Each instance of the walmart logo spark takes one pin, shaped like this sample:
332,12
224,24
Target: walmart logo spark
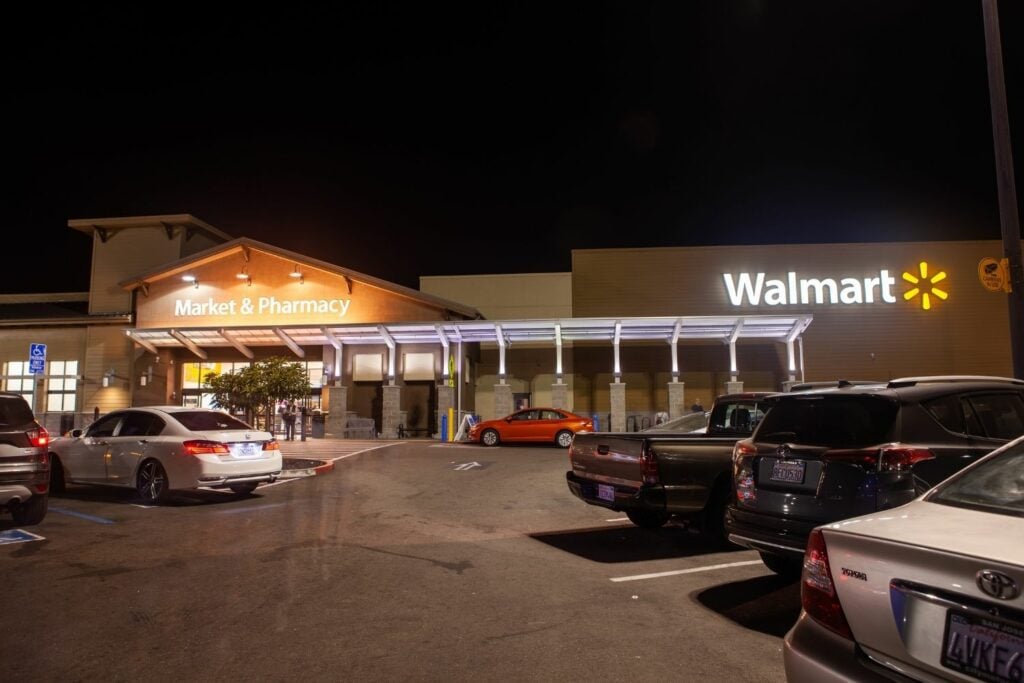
925,286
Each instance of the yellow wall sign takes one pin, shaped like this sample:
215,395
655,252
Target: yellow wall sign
924,286
993,274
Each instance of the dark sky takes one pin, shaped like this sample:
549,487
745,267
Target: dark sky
416,140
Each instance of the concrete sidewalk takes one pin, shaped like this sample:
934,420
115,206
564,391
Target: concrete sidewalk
313,457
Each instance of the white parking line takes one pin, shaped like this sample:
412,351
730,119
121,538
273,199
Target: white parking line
694,570
618,519
365,450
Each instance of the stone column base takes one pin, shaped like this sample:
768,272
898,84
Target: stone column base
617,393
391,413
677,399
733,387
337,412
502,400
445,400
560,396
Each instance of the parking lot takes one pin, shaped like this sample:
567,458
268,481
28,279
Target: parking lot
410,561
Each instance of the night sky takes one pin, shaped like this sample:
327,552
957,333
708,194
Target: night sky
404,141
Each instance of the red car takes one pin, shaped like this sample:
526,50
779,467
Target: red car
532,424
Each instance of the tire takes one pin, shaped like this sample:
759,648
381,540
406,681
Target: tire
31,511
151,482
57,482
787,568
563,438
490,438
714,515
244,489
645,519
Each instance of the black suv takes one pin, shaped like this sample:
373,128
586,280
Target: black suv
824,455
24,461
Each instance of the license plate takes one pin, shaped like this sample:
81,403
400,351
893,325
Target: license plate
983,648
789,471
246,450
605,492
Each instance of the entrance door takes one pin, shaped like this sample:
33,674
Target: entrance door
367,400
419,401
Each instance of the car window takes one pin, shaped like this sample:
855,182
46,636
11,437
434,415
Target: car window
104,426
208,420
949,412
14,412
684,423
141,424
994,485
525,415
550,415
831,421
735,417
1000,416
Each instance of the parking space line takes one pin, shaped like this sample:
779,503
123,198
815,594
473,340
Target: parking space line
365,450
249,508
694,570
618,519
81,515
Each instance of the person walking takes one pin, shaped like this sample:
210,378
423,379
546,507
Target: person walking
697,407
288,417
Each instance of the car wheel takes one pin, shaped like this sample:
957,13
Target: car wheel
564,438
786,567
244,489
490,438
152,484
31,511
645,519
57,483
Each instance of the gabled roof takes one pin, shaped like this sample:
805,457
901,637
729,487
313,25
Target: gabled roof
244,243
104,226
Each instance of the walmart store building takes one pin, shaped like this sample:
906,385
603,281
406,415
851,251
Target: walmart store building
627,334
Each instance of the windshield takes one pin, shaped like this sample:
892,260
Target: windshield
14,412
830,421
686,423
208,421
994,485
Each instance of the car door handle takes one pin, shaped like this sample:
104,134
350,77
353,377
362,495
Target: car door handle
143,441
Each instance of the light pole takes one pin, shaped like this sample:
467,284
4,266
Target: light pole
1008,218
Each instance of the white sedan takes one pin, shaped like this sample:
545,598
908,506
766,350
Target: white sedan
930,591
157,449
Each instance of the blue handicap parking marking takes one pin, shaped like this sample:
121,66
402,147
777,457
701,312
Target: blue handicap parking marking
18,536
81,515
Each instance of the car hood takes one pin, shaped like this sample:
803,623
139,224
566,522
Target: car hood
943,527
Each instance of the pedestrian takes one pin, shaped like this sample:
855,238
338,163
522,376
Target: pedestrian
697,407
288,416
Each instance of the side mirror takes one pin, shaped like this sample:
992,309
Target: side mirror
508,419
77,433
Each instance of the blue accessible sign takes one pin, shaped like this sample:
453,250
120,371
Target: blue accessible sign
18,536
36,358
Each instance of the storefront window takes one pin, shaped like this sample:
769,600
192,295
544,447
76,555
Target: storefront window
18,380
193,381
62,386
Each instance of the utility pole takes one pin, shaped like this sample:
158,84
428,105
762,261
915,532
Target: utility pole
1009,220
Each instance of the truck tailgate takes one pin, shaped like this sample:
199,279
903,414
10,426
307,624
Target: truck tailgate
608,458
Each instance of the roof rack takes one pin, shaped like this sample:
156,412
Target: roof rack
912,381
838,384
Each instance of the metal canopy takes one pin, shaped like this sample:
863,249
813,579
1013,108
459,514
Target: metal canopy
781,328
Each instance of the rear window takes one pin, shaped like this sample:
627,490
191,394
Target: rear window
208,421
736,418
831,421
994,485
14,412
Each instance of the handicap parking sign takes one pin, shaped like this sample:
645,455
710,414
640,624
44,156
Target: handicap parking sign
37,351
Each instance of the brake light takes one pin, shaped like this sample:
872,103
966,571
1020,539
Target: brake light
902,459
202,447
817,591
649,467
743,472
743,448
271,445
38,437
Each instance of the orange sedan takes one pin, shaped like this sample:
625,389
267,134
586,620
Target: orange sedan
532,424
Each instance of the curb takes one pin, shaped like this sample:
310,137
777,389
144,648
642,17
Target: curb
324,467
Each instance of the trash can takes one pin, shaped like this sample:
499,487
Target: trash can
319,422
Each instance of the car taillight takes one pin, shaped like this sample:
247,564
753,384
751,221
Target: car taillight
741,449
271,445
899,459
203,447
649,467
38,437
817,592
891,458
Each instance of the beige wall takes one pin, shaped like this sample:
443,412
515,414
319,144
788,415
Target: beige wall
62,343
107,348
525,296
966,334
126,253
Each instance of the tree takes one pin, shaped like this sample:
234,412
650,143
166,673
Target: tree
258,388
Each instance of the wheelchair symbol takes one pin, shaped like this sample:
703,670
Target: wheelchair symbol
37,351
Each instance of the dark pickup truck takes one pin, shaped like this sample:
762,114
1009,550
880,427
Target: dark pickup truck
656,475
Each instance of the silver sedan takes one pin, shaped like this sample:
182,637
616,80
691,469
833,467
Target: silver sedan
157,449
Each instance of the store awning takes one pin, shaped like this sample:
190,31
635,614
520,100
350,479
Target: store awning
782,328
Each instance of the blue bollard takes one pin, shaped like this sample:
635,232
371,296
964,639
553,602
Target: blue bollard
444,428
597,424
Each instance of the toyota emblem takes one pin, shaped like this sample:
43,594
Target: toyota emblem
997,584
783,451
